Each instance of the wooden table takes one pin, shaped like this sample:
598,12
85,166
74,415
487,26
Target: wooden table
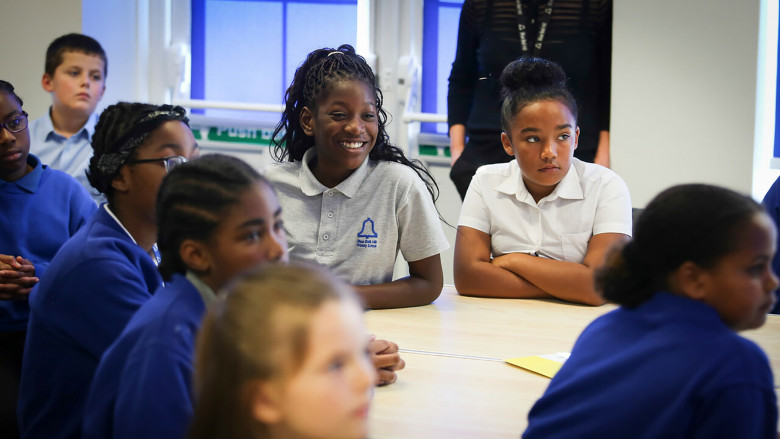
456,384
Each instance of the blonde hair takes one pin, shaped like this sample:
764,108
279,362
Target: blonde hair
256,328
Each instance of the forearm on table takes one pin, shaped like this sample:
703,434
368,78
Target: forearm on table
421,287
483,279
400,293
568,281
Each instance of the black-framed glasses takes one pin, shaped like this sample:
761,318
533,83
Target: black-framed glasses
16,123
169,162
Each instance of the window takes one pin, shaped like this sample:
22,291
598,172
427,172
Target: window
248,50
440,35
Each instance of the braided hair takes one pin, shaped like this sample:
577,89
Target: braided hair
694,222
8,88
528,80
323,69
120,130
192,200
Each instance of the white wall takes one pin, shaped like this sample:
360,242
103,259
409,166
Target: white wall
114,23
31,25
684,93
28,28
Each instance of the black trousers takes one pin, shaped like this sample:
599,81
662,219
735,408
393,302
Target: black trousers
11,350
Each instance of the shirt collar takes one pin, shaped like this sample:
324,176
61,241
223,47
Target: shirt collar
155,254
568,188
47,127
311,186
206,293
30,181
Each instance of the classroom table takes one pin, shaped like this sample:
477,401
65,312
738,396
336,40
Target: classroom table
456,383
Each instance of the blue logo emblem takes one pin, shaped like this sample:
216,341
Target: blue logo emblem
366,238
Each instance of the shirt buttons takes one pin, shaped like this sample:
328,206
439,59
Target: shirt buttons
330,214
330,193
325,236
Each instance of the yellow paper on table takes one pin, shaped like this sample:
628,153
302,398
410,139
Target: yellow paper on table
547,365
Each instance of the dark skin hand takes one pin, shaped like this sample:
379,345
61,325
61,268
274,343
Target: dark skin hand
17,277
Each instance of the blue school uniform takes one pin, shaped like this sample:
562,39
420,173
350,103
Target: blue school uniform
669,368
94,284
772,204
39,212
142,388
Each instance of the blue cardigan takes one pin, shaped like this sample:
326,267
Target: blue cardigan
38,213
669,368
142,388
93,286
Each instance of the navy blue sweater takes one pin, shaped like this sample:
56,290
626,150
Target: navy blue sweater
38,213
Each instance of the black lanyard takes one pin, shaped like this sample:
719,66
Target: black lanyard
522,27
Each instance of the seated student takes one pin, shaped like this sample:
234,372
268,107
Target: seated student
103,274
537,226
356,200
772,204
668,363
216,217
75,75
40,209
283,354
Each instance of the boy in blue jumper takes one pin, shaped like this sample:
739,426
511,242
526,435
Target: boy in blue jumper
40,208
75,75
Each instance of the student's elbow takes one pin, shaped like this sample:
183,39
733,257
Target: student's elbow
432,292
591,298
467,284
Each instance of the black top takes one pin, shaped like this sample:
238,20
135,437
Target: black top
579,38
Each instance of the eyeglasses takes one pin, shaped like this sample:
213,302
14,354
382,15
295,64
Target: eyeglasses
15,124
169,162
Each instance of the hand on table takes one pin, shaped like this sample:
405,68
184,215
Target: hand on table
386,359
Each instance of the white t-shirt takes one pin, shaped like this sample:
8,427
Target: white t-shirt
590,200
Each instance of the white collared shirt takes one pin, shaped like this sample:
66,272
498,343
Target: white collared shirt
589,200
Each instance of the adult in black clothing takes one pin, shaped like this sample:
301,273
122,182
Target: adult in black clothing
576,34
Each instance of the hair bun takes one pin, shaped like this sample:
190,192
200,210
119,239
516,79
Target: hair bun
532,73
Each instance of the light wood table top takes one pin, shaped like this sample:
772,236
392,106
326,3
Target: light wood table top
456,384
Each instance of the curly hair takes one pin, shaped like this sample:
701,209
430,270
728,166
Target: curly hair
323,69
120,130
528,80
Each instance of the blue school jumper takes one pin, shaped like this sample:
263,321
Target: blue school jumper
771,202
142,388
669,368
38,213
93,286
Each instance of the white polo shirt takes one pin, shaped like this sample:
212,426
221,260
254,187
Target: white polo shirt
357,227
590,199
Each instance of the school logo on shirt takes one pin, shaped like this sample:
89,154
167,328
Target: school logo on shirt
366,238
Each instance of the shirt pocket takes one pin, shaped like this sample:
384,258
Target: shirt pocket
574,246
